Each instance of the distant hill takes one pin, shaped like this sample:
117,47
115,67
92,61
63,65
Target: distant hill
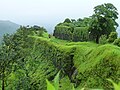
7,27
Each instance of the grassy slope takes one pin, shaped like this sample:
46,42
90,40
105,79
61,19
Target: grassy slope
94,63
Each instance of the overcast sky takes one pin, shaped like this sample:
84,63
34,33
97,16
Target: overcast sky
48,12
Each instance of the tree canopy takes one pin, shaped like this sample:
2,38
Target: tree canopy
103,20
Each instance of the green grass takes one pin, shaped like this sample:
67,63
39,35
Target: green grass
93,62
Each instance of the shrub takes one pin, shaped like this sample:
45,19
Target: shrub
56,85
117,42
103,39
116,86
63,32
80,34
112,37
68,31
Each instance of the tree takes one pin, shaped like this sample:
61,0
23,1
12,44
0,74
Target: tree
7,55
67,20
86,22
83,22
103,21
107,10
19,60
28,62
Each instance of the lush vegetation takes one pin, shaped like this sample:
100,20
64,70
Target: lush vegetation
28,58
31,58
102,22
56,84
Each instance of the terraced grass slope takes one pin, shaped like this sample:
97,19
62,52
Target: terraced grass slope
85,63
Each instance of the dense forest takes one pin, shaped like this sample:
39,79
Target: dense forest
82,54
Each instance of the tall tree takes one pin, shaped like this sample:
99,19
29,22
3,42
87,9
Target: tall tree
7,55
103,20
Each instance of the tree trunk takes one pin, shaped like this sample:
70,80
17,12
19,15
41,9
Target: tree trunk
97,39
3,82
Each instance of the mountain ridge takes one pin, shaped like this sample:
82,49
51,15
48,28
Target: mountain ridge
7,26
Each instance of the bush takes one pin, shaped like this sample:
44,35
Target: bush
80,34
103,39
117,42
68,31
63,85
63,32
116,86
112,37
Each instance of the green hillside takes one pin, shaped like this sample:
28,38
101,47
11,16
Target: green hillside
31,56
85,53
94,63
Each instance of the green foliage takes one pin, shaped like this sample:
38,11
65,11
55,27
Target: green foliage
107,10
67,20
112,37
103,39
103,21
63,32
65,84
29,56
116,86
85,22
50,86
56,83
80,34
94,65
117,42
58,55
7,59
90,62
73,88
23,64
70,31
77,30
62,82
